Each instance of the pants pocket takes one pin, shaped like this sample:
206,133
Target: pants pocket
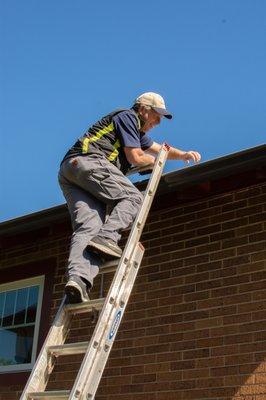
110,189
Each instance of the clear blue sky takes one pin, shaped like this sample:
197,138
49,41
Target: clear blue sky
66,63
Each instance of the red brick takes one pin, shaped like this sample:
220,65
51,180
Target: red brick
210,362
259,295
257,237
209,323
210,284
224,199
225,216
234,242
183,345
252,286
258,256
241,338
235,205
257,209
208,248
222,311
241,318
165,396
210,382
249,229
210,342
219,255
210,229
197,277
196,260
229,234
199,353
197,241
182,327
209,303
251,248
235,223
169,376
183,365
196,315
260,199
224,291
209,266
248,193
224,371
144,378
223,272
196,296
198,334
162,365
257,218
197,373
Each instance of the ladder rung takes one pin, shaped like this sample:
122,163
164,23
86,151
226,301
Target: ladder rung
69,348
51,395
89,306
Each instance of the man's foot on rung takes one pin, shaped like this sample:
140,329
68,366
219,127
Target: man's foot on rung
76,290
107,248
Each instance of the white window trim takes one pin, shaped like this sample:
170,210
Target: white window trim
38,280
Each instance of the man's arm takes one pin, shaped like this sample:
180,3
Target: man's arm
175,154
138,157
126,127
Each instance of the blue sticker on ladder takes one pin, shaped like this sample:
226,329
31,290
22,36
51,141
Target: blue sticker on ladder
115,324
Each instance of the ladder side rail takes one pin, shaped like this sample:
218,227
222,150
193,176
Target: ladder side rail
150,191
120,273
40,373
103,337
91,384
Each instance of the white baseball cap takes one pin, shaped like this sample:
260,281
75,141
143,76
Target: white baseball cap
155,101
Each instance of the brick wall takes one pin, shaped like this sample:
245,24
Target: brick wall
195,326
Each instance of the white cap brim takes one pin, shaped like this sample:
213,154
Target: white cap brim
163,111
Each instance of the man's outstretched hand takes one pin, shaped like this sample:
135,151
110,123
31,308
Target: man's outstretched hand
191,156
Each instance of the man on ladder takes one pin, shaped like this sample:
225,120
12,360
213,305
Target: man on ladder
92,176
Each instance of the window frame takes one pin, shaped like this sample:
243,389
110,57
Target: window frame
19,284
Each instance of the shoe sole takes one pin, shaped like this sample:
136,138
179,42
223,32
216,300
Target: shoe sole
103,250
74,293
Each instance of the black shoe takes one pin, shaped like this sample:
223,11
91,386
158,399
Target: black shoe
105,247
76,290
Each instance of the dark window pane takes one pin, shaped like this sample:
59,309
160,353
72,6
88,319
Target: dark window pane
2,302
16,345
20,310
32,305
9,308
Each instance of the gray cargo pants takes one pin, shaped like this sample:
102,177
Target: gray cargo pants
89,183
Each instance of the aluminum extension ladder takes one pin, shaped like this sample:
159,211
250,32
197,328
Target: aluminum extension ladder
112,309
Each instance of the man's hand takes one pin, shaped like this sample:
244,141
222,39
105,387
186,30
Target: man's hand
191,155
176,154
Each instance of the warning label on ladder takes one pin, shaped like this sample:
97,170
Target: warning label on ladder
115,324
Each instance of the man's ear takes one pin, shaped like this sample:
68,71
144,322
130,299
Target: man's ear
141,111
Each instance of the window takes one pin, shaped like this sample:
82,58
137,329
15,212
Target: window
20,309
